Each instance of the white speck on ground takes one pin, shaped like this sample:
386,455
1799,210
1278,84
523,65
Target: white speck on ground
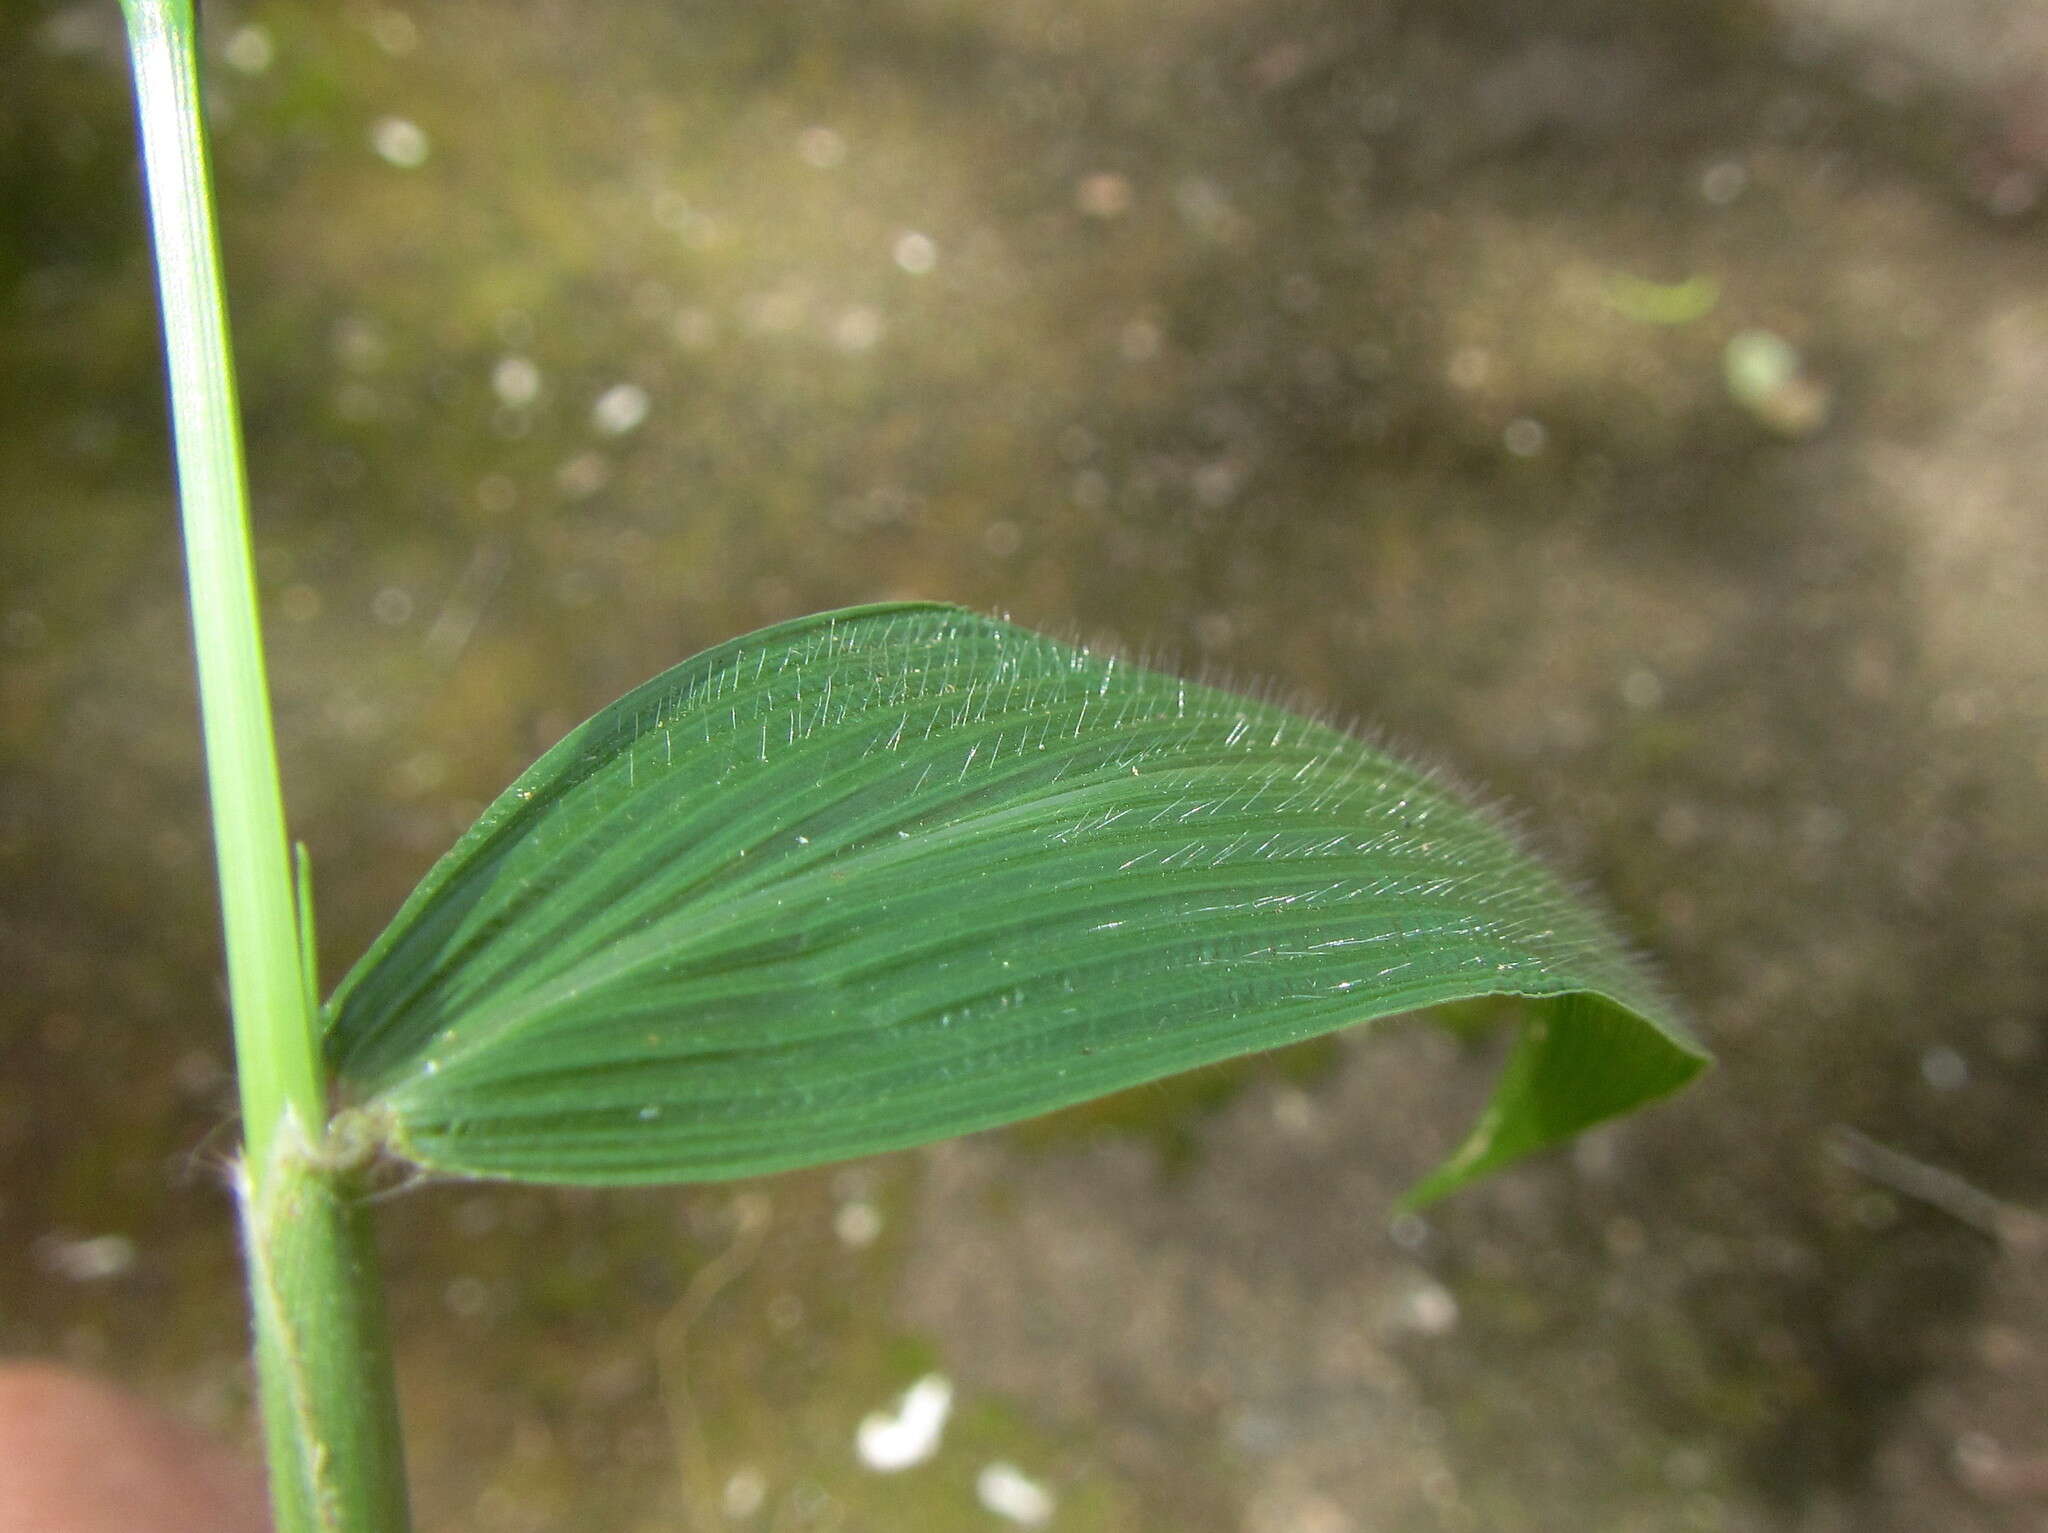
888,1441
1008,1492
400,141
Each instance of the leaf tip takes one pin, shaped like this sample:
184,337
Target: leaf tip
1580,1059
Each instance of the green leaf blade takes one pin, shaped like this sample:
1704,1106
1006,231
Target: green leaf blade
876,877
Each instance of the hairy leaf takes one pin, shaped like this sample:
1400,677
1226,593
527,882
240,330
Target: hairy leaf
879,876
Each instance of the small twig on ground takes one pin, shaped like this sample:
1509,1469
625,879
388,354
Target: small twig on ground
2007,1223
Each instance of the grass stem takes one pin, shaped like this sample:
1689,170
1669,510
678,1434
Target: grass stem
323,1365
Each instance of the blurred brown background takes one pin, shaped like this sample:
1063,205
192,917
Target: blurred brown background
1641,406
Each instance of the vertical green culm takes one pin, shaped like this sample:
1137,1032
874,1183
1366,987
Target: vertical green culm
323,1363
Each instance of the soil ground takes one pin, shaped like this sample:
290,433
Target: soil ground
1643,407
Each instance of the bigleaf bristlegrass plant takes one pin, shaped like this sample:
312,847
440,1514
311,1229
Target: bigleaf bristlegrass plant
854,882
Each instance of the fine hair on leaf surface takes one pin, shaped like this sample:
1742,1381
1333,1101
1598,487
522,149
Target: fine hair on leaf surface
874,877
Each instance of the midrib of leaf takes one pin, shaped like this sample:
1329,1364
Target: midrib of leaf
1443,947
608,957
831,962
